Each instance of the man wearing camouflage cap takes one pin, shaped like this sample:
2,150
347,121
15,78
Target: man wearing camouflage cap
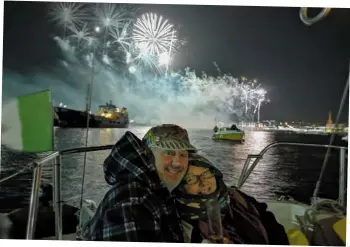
168,146
139,206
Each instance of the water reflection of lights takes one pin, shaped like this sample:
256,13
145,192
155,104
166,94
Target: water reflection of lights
106,137
259,140
262,174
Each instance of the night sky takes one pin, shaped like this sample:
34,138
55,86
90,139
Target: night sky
304,69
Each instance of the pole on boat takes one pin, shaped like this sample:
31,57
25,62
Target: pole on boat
88,106
342,102
34,201
342,174
259,104
57,197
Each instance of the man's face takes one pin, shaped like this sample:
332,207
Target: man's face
171,165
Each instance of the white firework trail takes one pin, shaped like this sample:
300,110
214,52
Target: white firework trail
80,34
67,14
145,60
89,43
109,16
120,36
137,59
260,98
153,34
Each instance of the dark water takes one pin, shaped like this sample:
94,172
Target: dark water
289,171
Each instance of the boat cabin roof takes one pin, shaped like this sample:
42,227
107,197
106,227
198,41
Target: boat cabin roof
108,105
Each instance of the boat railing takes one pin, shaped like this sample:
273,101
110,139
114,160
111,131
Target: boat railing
249,165
57,203
56,158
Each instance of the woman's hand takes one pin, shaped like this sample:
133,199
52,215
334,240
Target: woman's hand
205,241
225,241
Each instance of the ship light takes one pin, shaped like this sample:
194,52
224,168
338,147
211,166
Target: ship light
108,115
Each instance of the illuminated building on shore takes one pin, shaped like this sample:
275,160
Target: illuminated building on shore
331,127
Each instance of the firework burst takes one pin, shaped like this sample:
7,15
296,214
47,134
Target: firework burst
147,42
153,34
67,14
110,15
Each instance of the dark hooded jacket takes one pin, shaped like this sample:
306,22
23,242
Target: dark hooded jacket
138,208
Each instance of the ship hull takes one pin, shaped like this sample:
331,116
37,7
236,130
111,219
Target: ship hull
69,118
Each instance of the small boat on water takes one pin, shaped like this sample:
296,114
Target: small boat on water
229,134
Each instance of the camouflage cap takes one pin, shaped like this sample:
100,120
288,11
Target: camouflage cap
168,136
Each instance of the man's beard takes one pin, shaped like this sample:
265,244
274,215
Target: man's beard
170,186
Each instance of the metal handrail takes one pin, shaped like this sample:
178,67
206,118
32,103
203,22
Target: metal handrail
87,149
34,164
247,171
34,198
56,156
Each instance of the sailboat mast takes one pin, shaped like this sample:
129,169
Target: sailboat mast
87,98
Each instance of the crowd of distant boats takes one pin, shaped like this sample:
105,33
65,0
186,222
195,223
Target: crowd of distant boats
302,130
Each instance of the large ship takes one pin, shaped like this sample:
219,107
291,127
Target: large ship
108,116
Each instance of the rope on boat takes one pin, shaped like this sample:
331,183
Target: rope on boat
322,205
324,165
310,21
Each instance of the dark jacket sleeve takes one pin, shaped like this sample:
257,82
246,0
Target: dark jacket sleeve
276,232
130,222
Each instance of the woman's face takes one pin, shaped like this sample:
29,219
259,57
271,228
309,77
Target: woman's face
200,181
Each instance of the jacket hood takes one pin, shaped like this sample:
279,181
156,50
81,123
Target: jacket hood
128,162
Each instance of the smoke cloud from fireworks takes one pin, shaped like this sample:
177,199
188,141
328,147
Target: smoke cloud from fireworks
181,97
